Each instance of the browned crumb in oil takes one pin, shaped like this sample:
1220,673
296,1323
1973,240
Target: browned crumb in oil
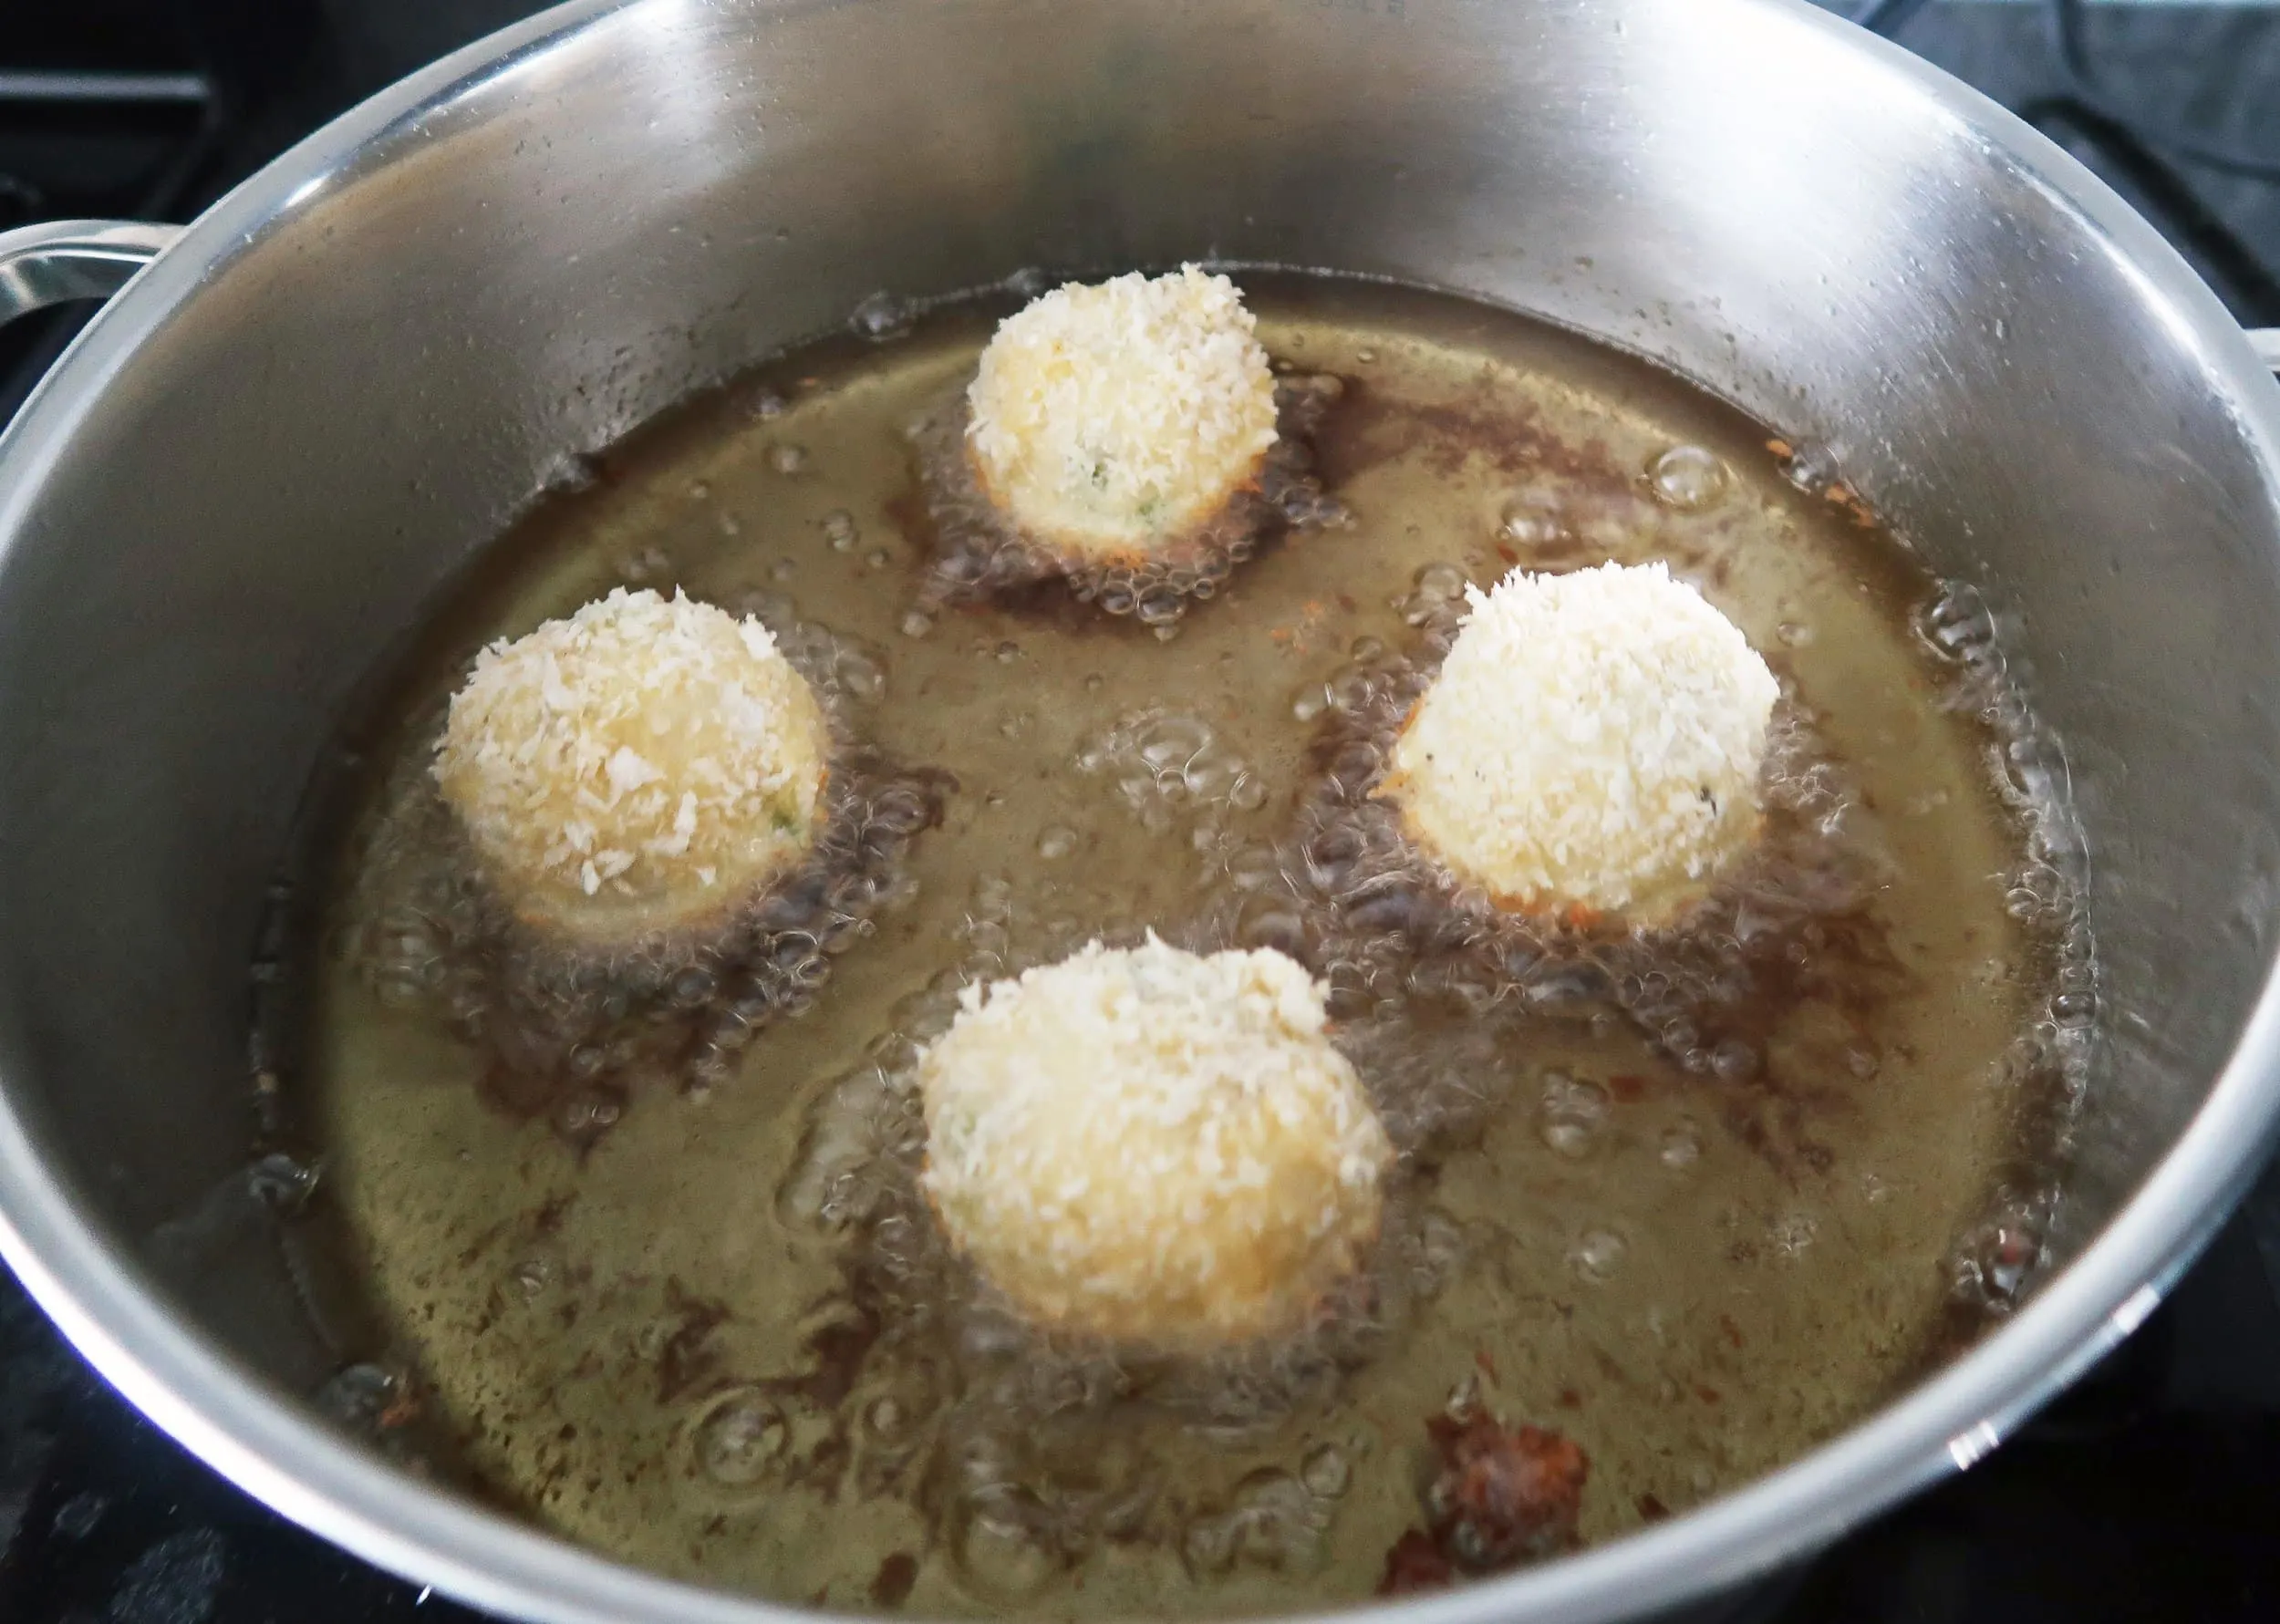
891,1586
1500,1497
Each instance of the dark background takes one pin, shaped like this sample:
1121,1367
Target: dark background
2151,1491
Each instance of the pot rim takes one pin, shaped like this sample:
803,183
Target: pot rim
277,1449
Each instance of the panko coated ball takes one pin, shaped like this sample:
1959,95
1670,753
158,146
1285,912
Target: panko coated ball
1109,423
1152,1146
643,765
1593,745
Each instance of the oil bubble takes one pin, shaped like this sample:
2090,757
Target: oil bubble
650,563
1687,478
859,675
738,1438
1207,1546
837,1178
839,530
1350,690
889,1419
1992,1266
1531,521
1056,843
1325,1472
787,458
1812,469
882,318
282,1183
1792,1234
1574,1112
1596,1256
1275,1523
1442,581
1960,623
571,472
578,1115
1463,1400
357,1396
999,1548
1252,867
78,1517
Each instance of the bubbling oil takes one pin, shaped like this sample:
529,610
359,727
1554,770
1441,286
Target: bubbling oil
979,553
1696,1198
569,1028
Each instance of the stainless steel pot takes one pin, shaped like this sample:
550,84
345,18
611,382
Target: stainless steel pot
280,435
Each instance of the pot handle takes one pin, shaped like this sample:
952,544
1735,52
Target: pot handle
2265,342
74,259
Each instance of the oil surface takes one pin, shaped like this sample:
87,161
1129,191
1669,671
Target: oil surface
719,1340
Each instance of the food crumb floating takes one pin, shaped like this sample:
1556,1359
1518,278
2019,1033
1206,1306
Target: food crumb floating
1153,1146
1592,744
635,767
1109,422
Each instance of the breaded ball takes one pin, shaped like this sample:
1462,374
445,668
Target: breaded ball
637,767
1109,423
1154,1147
1591,745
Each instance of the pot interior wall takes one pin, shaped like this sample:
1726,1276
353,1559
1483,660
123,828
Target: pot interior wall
356,397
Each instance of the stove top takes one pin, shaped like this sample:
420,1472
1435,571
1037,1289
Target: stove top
2150,1491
